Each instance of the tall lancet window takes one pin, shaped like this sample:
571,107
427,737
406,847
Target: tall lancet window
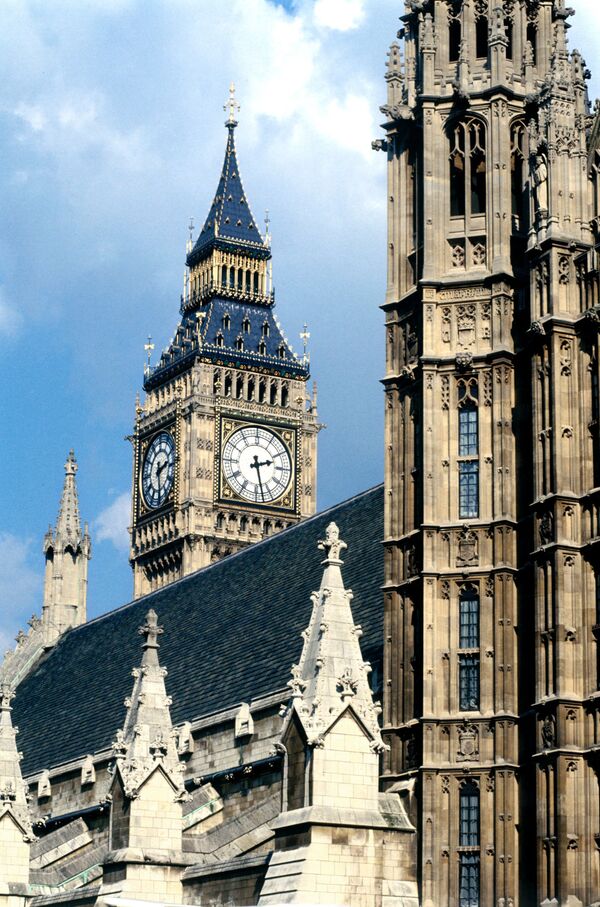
454,38
481,34
469,654
520,199
468,449
469,843
468,170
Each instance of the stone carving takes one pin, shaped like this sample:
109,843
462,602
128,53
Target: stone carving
468,549
564,269
244,723
464,361
540,181
458,256
547,528
549,732
468,743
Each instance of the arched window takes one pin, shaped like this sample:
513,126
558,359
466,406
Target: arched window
217,383
285,395
239,387
243,524
239,343
246,325
262,348
481,36
266,329
532,36
273,393
248,281
262,391
226,321
508,25
240,280
232,278
251,388
256,282
281,351
224,276
228,385
220,523
220,340
468,169
454,39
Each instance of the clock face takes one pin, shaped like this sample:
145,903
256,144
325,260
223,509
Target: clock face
257,465
158,471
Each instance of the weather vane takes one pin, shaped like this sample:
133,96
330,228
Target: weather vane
149,347
305,337
232,106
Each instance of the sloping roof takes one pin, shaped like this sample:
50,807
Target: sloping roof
232,633
219,342
230,218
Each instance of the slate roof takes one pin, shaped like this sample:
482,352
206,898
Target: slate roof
184,348
230,221
232,633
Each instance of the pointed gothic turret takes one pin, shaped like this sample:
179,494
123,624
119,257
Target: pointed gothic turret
331,677
67,550
335,827
15,822
147,789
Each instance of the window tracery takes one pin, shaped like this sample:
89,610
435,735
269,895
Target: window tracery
468,170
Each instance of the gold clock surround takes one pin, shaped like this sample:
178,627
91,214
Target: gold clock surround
287,434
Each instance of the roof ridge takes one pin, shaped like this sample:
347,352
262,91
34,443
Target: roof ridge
228,559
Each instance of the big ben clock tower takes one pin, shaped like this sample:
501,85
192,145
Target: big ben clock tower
225,444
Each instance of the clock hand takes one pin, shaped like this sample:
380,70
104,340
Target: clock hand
256,465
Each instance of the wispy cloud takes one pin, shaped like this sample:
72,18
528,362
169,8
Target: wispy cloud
112,523
10,317
20,587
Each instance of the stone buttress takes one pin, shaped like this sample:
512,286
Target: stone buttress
338,841
15,824
147,790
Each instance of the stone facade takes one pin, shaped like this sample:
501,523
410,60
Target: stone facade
491,452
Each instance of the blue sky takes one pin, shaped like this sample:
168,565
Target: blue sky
111,137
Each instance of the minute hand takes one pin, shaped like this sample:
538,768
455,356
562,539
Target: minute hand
256,465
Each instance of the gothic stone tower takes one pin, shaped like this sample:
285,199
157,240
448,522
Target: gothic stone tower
225,448
491,524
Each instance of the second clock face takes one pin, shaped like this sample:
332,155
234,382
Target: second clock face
158,471
257,464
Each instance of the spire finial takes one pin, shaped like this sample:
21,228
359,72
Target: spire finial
149,347
305,337
332,545
232,107
151,631
71,464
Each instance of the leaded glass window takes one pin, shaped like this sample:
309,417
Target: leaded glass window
468,487
469,620
469,880
468,682
468,431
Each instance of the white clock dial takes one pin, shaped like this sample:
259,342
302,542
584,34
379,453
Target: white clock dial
158,471
257,464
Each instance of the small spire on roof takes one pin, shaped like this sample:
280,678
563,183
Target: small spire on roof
149,348
147,735
233,107
305,337
68,524
331,674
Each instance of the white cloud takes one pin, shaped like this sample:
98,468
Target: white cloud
20,587
10,317
339,15
112,523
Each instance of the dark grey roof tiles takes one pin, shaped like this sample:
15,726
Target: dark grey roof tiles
232,633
